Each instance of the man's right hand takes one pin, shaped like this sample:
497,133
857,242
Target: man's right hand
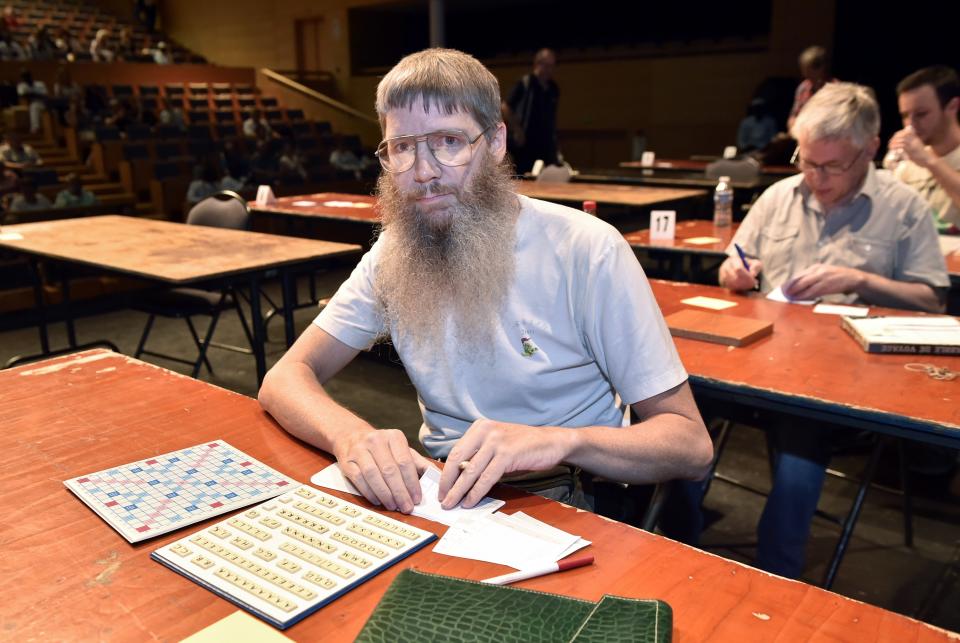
383,467
735,277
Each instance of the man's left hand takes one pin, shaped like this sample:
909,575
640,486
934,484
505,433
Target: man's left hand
490,449
821,279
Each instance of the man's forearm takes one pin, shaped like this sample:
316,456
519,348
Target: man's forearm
299,403
881,291
664,447
947,178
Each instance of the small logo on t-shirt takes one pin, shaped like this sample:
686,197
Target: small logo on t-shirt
526,339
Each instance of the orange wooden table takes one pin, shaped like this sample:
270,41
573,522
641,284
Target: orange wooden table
812,368
69,576
335,216
691,165
629,195
175,254
686,257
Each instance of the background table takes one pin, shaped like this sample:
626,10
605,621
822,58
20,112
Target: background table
71,577
175,254
334,216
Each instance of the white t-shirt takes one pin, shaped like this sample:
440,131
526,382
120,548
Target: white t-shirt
579,298
921,180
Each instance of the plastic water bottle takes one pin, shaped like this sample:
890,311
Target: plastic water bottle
723,203
590,207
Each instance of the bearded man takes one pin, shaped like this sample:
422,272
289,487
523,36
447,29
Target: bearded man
518,321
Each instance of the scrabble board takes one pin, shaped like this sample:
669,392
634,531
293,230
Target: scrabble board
157,495
286,558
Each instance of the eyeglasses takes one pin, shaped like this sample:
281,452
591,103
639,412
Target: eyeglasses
830,169
450,147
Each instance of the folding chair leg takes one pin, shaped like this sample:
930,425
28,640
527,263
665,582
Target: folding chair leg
851,520
652,515
723,434
202,347
907,498
143,338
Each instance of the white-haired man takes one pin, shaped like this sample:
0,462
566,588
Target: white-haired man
517,320
841,231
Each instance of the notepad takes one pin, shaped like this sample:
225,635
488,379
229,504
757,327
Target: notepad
709,302
702,241
718,329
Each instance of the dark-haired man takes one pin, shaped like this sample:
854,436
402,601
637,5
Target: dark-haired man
930,140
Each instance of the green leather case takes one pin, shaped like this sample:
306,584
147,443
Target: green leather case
428,607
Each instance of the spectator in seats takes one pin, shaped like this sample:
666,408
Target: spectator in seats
291,164
530,112
256,126
10,49
41,44
205,183
158,53
99,47
815,69
33,93
67,98
233,179
265,162
757,128
16,154
28,198
929,143
233,162
10,18
172,115
125,49
345,157
74,195
119,116
67,44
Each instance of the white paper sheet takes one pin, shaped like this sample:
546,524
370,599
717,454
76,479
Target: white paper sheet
11,236
709,302
430,508
304,204
702,241
777,295
332,478
838,309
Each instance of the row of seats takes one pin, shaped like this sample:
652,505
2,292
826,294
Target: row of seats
201,128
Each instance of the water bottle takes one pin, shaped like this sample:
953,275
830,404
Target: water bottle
892,159
723,203
590,207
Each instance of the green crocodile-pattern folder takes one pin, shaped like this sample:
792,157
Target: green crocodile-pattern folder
427,607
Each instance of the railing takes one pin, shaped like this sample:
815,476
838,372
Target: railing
300,88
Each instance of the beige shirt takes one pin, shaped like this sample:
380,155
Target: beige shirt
921,180
885,229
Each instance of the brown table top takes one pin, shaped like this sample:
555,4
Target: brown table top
604,193
811,363
77,579
688,165
171,252
687,230
953,264
328,205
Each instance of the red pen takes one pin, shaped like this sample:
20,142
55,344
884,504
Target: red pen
523,574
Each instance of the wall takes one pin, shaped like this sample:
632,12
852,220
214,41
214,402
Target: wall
685,104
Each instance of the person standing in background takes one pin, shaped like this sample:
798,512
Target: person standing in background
530,112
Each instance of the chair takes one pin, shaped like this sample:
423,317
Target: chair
225,209
743,170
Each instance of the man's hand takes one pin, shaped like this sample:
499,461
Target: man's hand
735,277
383,468
820,279
490,449
912,147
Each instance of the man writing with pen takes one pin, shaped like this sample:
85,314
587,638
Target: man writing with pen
518,321
844,232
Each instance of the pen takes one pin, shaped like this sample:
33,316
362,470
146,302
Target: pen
524,574
743,256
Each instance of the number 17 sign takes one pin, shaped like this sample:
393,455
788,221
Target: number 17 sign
662,225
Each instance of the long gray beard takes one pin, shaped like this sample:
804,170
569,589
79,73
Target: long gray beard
456,270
